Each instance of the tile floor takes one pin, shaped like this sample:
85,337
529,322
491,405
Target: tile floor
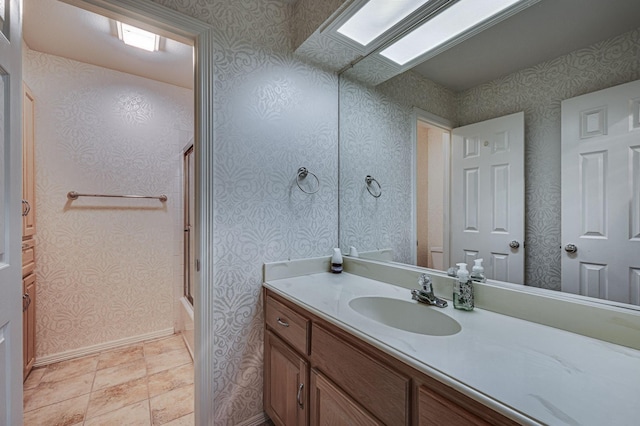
149,383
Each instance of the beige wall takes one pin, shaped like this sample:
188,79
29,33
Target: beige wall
435,211
422,194
107,269
429,195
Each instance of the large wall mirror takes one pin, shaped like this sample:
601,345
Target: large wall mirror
401,129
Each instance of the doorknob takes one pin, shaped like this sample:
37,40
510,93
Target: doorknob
514,244
571,248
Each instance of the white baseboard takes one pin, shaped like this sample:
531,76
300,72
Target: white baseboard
186,343
89,350
256,420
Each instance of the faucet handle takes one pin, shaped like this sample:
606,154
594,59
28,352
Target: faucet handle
425,282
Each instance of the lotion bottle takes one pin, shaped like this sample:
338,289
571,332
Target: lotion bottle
463,289
336,261
477,272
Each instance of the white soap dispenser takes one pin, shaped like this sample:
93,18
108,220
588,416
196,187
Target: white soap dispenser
463,290
336,261
477,272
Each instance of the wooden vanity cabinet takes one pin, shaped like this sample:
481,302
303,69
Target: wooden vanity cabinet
351,382
28,323
437,404
375,385
330,406
286,394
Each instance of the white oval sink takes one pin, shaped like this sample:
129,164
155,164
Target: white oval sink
406,315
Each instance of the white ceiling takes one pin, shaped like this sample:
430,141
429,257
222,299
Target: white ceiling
60,29
544,31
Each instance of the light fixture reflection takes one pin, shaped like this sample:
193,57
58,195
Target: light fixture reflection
376,17
136,37
445,26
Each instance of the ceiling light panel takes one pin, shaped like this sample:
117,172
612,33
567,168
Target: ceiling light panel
136,37
445,26
376,17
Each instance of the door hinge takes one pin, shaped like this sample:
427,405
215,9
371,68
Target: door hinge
198,265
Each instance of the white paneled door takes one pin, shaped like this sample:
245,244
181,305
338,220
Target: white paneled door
601,194
487,196
10,213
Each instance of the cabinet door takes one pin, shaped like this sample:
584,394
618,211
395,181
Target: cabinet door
29,323
332,407
437,410
286,394
28,165
375,385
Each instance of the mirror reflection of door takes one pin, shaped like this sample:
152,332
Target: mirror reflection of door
189,220
601,194
432,152
487,196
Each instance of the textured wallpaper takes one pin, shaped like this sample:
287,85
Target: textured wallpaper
272,115
105,267
375,139
538,92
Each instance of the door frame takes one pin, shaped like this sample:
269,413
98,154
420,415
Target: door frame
443,123
188,290
158,18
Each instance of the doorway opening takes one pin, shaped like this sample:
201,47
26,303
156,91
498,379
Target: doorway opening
122,133
431,186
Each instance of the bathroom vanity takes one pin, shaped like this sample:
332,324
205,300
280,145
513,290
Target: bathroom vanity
347,349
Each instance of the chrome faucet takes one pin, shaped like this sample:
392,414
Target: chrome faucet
425,294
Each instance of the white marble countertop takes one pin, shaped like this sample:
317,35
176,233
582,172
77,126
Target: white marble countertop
530,372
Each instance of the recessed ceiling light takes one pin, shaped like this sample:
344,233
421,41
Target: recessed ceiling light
376,17
136,37
444,27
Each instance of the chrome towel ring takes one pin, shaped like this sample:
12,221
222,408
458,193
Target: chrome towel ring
370,180
302,174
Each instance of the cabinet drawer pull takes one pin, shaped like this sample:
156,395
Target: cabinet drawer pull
299,397
282,323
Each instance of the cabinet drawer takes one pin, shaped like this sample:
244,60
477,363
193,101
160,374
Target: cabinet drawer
28,257
380,390
288,324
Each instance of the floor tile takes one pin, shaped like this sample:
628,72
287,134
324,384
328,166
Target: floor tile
50,393
73,367
131,415
170,379
166,360
142,384
172,405
115,397
119,374
65,413
156,347
120,356
188,420
34,378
